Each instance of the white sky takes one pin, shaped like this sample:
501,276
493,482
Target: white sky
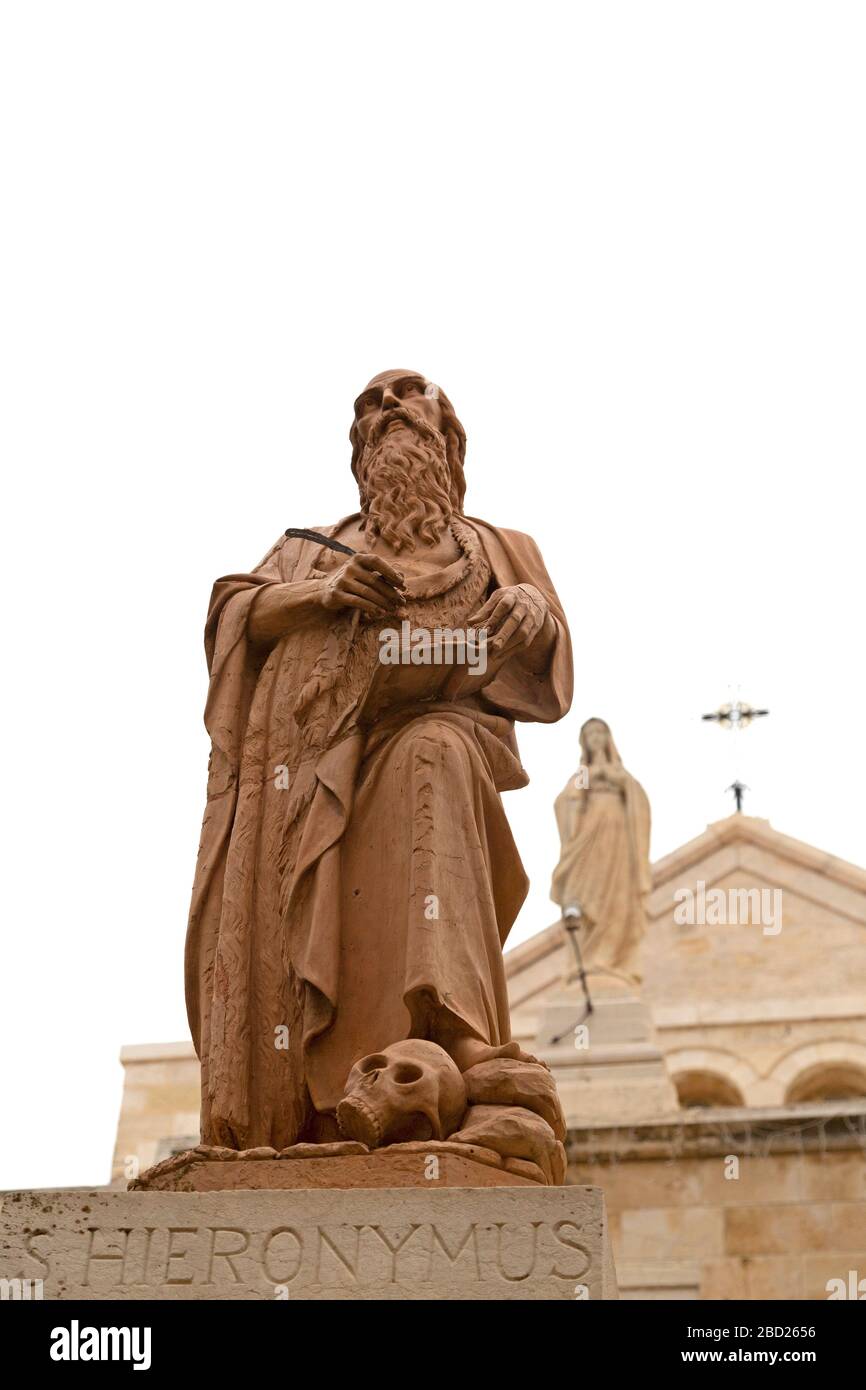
627,239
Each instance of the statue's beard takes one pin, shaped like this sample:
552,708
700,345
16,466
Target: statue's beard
405,481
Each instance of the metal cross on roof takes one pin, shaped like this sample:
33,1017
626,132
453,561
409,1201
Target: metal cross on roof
739,715
736,715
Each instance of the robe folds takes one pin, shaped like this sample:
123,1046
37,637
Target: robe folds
351,880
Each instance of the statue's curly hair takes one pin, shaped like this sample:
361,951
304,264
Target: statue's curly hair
455,435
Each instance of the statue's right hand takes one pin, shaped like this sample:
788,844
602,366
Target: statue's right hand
366,582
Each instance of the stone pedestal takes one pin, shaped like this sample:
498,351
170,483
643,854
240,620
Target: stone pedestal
611,1070
515,1243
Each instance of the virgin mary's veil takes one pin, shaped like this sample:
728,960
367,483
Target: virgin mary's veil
612,751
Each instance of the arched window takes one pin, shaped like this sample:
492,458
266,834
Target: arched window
827,1081
706,1088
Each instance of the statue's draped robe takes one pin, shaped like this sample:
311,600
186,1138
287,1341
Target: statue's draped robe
604,870
347,902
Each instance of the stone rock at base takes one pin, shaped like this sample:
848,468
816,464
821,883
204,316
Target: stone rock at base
515,1133
510,1081
432,1163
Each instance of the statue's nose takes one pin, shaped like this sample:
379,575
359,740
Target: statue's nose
389,400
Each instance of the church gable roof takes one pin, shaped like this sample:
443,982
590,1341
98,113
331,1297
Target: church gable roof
745,844
736,844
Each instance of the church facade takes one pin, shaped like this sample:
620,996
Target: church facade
730,1137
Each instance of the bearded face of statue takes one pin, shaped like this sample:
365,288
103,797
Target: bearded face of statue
388,392
402,465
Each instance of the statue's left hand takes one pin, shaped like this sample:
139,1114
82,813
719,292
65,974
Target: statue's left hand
514,618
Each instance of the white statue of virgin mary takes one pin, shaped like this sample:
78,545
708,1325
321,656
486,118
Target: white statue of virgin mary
603,873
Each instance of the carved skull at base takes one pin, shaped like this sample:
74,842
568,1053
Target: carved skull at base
410,1090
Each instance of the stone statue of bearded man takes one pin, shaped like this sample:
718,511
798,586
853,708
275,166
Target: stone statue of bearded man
357,877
